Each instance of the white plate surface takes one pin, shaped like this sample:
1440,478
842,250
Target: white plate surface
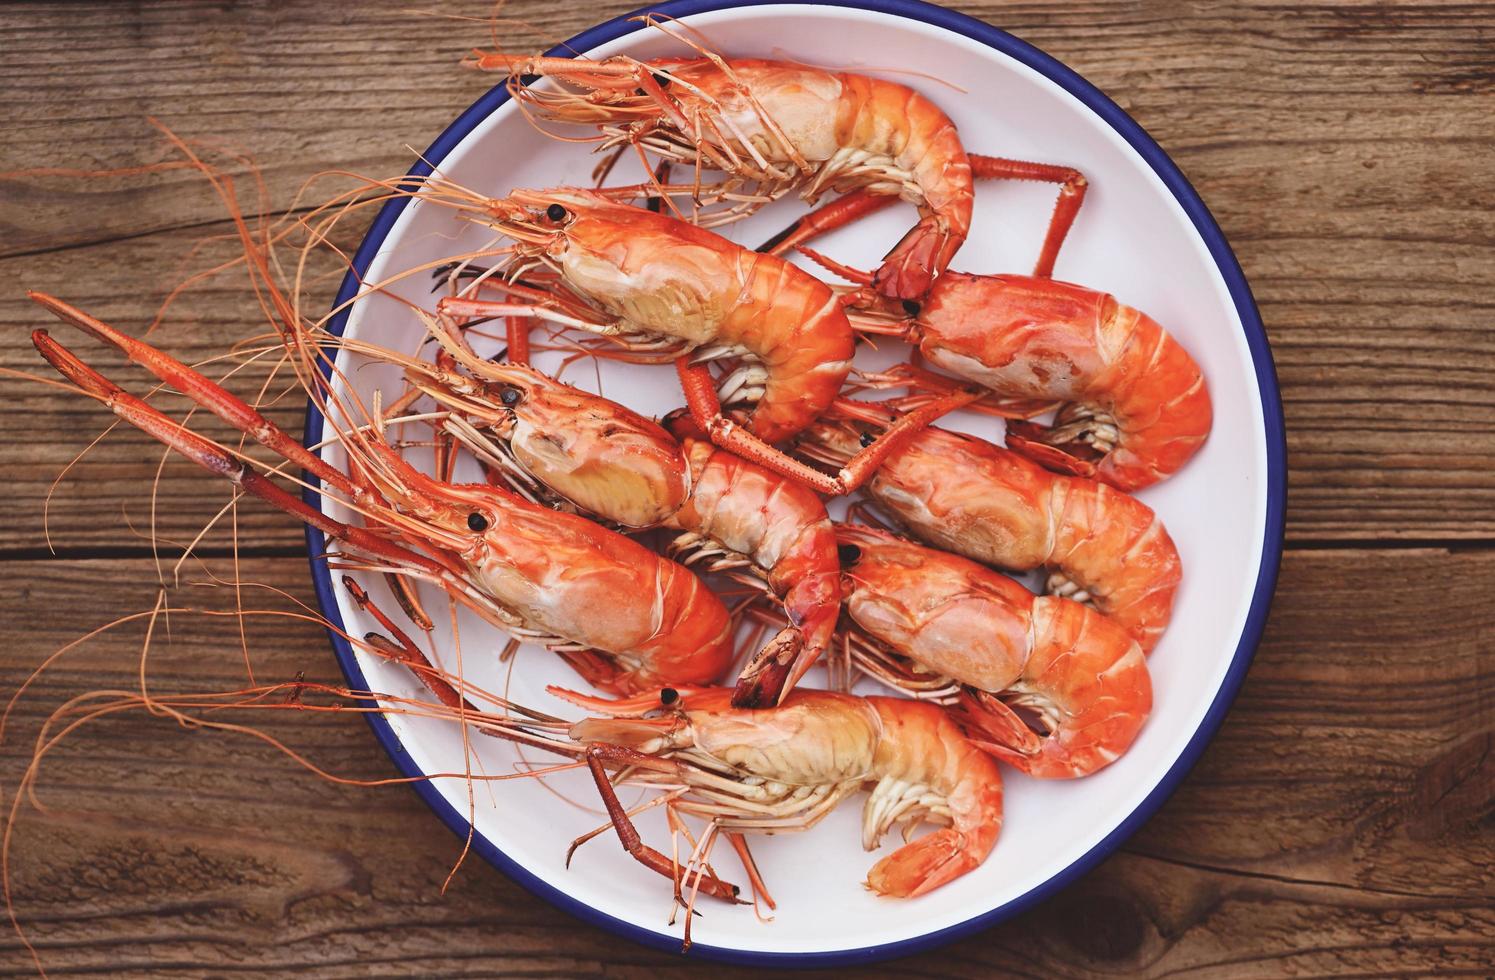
1133,238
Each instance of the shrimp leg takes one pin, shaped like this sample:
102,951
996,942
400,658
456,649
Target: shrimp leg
862,202
628,834
706,411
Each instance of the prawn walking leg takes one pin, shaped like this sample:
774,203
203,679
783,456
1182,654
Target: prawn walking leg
628,834
860,203
705,411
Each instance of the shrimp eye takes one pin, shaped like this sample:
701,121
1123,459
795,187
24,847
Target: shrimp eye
660,80
911,308
669,696
556,212
477,522
510,395
868,439
849,554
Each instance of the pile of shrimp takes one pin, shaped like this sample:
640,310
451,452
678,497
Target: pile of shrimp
688,568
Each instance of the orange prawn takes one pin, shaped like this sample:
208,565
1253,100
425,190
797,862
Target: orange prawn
556,443
551,577
783,769
778,126
1133,406
1042,682
968,496
655,283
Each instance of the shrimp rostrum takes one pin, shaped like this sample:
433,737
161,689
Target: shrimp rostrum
624,617
1044,683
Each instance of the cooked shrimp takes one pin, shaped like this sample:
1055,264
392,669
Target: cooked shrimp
646,279
783,769
778,125
965,495
783,529
615,465
1042,682
626,618
1136,404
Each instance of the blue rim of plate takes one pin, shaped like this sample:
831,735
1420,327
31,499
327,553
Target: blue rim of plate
1271,409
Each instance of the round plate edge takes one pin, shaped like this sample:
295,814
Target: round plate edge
1273,530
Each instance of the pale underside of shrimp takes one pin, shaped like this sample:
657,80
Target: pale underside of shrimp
782,769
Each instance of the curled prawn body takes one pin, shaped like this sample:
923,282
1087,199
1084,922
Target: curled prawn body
1082,679
787,767
781,126
650,275
1136,406
968,496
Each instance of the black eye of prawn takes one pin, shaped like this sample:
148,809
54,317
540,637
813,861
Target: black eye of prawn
510,395
911,308
849,554
556,212
477,522
868,439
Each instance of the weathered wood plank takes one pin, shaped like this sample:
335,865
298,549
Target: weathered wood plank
1342,147
1338,824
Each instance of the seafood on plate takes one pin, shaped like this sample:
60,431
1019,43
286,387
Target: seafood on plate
652,283
554,578
781,126
970,497
1042,682
782,769
1133,406
562,446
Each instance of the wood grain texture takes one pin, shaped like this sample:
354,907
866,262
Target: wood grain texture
1340,824
1344,148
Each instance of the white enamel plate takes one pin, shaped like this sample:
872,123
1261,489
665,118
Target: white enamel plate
1143,235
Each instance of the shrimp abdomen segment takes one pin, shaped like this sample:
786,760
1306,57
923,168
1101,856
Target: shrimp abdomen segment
1019,335
889,126
923,756
665,276
783,527
1086,678
1115,548
815,738
795,325
1162,405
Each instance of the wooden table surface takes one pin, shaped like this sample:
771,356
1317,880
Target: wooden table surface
1341,822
